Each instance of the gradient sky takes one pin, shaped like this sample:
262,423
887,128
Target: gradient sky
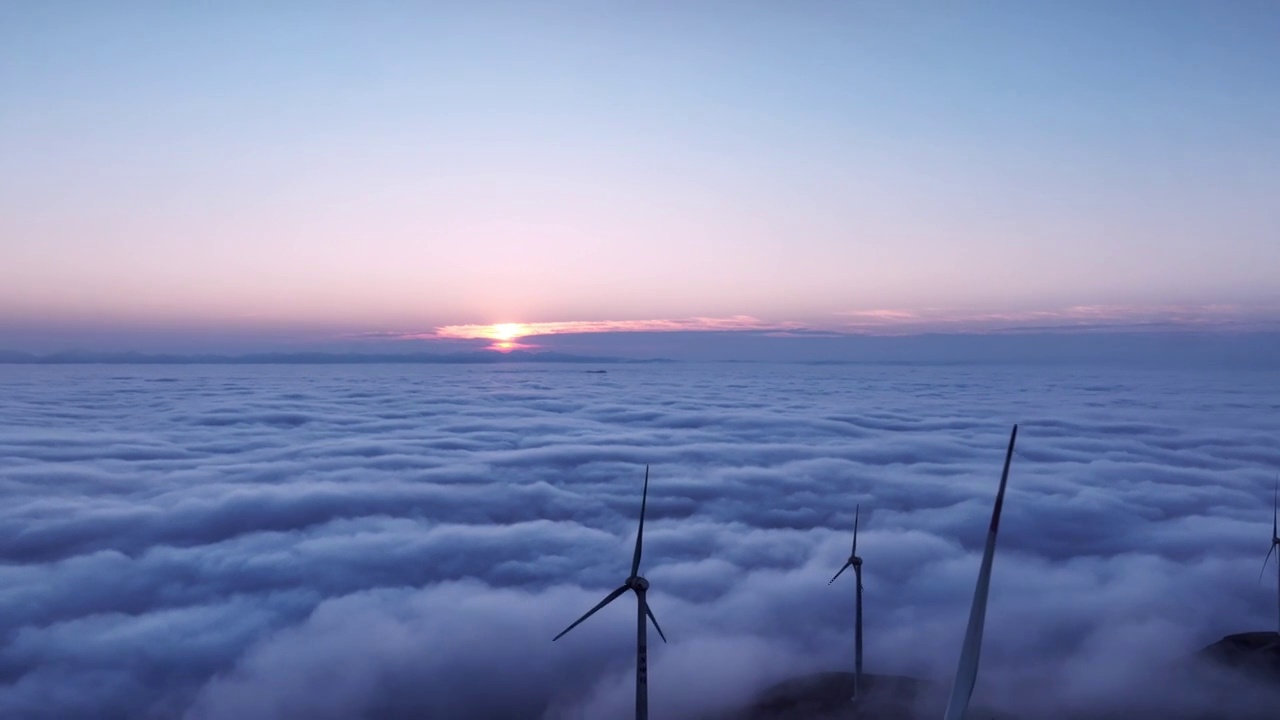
398,167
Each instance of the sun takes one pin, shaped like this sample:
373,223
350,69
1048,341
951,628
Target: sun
503,337
506,336
506,332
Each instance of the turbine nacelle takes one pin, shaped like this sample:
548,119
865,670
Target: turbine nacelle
854,561
637,583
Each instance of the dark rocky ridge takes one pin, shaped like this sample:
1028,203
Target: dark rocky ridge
1254,654
818,695
828,695
1239,676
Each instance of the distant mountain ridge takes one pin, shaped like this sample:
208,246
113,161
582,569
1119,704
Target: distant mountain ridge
479,357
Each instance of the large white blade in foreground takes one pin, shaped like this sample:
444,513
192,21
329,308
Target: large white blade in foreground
967,672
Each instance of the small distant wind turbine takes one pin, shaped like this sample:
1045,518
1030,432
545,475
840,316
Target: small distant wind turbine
856,563
1275,542
967,671
639,586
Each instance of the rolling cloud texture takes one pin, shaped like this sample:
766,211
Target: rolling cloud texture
248,542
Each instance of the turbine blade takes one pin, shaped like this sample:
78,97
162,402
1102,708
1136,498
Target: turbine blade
654,620
856,511
844,567
967,669
608,599
644,498
1267,560
1004,480
1274,538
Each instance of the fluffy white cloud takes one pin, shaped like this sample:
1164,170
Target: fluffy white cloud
380,541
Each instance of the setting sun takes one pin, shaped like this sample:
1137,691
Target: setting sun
506,332
504,335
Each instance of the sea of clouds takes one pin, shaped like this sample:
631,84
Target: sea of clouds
245,542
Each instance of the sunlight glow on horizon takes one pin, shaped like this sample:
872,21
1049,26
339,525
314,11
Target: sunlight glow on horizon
504,336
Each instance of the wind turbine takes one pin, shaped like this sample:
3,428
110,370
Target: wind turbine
1275,542
967,671
639,586
856,563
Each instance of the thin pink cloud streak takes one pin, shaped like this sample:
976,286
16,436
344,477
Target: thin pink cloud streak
578,327
882,321
1081,316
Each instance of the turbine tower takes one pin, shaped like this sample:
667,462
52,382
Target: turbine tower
639,586
1275,542
967,670
856,563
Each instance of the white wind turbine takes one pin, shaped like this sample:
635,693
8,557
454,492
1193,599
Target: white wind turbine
639,586
967,671
1275,542
856,563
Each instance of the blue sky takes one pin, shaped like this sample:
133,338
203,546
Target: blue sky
320,170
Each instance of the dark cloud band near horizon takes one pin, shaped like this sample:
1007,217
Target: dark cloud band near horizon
1154,347
215,542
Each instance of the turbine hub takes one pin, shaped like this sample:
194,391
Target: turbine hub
637,583
855,561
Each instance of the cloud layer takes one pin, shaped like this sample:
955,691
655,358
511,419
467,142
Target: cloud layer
386,541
